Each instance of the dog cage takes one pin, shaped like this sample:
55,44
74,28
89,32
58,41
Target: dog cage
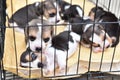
97,65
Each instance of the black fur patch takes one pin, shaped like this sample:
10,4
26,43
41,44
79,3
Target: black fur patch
61,41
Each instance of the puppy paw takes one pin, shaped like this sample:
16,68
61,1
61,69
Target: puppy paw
97,49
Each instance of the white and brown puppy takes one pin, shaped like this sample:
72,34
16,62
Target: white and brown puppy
109,22
31,59
47,9
38,34
61,48
91,34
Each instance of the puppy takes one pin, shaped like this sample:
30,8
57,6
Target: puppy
47,8
92,35
109,22
69,11
61,48
31,59
38,34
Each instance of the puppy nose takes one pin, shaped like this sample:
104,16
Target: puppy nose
38,49
40,65
57,21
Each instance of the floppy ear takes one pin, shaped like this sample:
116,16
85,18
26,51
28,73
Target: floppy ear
39,8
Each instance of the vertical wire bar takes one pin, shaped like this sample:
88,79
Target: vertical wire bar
112,59
78,63
55,32
2,36
41,40
92,39
68,46
28,34
104,42
14,40
109,5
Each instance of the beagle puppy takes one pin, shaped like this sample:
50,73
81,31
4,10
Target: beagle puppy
38,34
68,11
61,48
47,9
109,22
92,35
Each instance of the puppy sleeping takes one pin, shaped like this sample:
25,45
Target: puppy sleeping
69,11
36,10
109,22
38,34
61,48
92,35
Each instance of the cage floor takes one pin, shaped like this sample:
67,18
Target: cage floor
15,45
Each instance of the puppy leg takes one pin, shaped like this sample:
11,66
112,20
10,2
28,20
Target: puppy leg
49,65
61,60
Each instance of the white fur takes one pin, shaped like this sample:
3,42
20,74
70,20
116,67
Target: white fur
79,11
86,17
60,56
86,27
15,26
66,7
38,42
37,4
68,27
57,16
96,39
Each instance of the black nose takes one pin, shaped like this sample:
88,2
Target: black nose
40,65
57,21
38,49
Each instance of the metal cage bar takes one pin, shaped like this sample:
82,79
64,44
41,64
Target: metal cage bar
109,5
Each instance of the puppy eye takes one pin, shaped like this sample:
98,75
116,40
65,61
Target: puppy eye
46,39
52,14
32,38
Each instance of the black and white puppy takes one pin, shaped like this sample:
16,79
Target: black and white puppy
109,22
31,59
63,44
69,11
38,34
47,8
91,34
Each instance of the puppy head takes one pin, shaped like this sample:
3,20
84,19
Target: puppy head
50,9
38,35
72,11
96,12
97,37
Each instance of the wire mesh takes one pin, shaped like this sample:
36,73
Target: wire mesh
102,74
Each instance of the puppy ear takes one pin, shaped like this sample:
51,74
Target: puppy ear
39,8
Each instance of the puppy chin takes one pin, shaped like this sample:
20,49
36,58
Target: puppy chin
97,49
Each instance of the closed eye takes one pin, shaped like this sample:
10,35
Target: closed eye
46,39
52,14
32,38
